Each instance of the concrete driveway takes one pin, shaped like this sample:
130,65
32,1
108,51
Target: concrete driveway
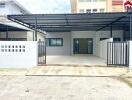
66,83
75,60
63,88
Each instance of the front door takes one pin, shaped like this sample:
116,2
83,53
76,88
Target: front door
82,45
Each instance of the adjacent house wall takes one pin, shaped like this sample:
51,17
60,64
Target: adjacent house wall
15,34
22,34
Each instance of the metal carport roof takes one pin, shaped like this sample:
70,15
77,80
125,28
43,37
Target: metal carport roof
74,22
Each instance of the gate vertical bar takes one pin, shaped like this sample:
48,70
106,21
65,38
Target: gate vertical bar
121,53
38,52
6,32
128,53
107,52
111,52
35,29
111,33
45,49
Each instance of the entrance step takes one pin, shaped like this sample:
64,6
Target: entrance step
75,65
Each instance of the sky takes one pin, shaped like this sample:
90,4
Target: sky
46,6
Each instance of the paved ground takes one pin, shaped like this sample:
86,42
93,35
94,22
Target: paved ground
63,88
66,83
75,59
80,70
70,70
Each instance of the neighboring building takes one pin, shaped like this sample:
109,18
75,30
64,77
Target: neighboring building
8,7
11,7
94,6
20,33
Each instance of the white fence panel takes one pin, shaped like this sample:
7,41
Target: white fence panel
18,54
103,48
118,53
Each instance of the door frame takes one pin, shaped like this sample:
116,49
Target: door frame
91,47
73,41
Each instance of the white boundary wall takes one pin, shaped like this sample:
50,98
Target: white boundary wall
18,54
103,48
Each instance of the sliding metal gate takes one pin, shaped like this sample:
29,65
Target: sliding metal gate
41,52
118,53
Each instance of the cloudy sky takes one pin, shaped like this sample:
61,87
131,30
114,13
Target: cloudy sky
46,6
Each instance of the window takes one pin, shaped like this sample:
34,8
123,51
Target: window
95,0
94,10
91,0
81,0
103,39
81,11
88,10
116,39
2,5
88,0
101,10
84,0
101,0
54,41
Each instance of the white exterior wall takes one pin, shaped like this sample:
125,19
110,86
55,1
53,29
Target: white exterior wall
26,56
102,52
61,50
106,34
67,48
30,35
